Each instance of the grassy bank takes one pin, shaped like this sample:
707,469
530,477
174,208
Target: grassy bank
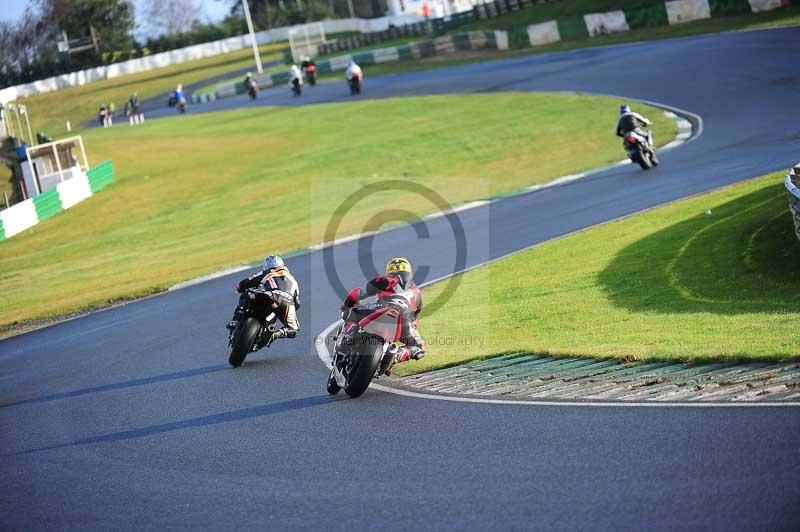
50,111
672,283
203,192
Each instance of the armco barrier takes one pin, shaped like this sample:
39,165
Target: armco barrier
793,188
670,12
30,212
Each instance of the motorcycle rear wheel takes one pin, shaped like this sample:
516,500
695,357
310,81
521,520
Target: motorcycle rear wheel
243,341
644,160
364,367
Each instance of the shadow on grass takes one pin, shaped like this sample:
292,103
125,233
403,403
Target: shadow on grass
742,258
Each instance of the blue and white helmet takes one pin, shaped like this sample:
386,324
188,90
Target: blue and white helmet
624,109
273,261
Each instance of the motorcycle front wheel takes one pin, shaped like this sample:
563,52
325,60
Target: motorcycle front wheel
243,340
364,367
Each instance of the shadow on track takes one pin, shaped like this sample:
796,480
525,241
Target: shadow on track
203,421
120,385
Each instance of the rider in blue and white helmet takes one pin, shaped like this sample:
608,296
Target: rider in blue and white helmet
283,296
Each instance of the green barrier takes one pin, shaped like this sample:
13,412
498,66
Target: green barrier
647,17
462,42
404,52
2,231
47,204
518,37
100,176
425,48
721,8
365,58
572,28
280,78
324,67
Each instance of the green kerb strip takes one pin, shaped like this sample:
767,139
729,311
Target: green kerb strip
47,204
572,28
648,17
100,176
729,7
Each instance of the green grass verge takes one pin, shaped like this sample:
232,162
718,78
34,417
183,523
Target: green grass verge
197,193
673,283
50,111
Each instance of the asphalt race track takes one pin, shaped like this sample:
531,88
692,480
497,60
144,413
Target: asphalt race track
130,419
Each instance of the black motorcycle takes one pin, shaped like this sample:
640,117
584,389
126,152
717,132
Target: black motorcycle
297,87
254,328
639,145
355,85
310,73
252,90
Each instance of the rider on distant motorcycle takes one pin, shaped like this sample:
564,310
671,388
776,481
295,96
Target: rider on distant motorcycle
179,96
397,289
295,74
630,121
284,298
353,71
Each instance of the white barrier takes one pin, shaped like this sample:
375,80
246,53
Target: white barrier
764,5
605,23
19,217
679,11
190,53
544,33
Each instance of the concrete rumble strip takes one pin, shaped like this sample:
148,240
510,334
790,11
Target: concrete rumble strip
544,377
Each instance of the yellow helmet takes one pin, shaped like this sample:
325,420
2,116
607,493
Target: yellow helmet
397,265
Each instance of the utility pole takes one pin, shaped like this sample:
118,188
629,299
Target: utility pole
252,36
350,6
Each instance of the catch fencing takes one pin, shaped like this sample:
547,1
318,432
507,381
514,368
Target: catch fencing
793,188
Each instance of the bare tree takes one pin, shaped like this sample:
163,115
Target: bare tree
169,17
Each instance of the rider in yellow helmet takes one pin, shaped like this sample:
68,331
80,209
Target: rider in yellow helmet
397,289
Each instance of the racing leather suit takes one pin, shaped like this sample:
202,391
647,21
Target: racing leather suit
630,121
402,293
283,299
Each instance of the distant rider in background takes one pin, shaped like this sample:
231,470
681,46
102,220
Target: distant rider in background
629,121
295,76
397,289
353,70
283,298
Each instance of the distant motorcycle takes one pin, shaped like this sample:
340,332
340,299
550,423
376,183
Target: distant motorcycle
639,145
297,87
365,347
355,84
310,72
182,105
173,100
253,330
252,90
